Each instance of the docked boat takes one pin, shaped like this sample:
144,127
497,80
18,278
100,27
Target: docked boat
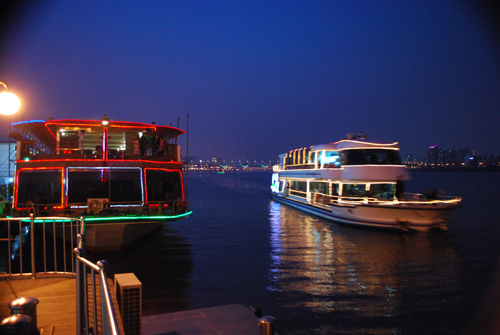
357,182
124,178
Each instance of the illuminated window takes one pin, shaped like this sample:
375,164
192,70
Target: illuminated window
383,191
354,190
298,188
331,159
318,187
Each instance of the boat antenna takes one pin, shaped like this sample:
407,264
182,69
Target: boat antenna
178,121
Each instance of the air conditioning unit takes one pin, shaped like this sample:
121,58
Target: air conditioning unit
97,204
129,298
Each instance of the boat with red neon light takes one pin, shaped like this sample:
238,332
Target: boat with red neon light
125,178
357,182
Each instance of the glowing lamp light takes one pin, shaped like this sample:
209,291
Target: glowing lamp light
9,103
105,121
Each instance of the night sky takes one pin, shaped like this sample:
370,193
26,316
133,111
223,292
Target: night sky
259,78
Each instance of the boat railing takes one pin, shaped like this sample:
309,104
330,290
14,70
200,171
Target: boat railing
54,246
298,193
132,208
416,198
31,150
405,199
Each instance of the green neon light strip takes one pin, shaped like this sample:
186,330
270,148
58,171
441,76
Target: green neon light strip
120,218
156,217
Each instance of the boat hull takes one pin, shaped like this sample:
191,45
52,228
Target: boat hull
111,236
400,216
100,237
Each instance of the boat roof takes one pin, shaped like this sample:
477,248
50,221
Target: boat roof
45,130
356,144
351,144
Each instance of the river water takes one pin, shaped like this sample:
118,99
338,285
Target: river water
318,277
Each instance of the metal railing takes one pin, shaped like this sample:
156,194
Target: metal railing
109,323
60,238
405,199
93,150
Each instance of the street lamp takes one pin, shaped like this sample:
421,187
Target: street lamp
9,104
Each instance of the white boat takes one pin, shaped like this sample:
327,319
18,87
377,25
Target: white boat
125,178
357,182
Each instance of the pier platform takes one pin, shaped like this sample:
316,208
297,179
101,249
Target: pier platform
227,320
56,311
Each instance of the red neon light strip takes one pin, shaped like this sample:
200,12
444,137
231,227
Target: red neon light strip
40,168
93,160
96,123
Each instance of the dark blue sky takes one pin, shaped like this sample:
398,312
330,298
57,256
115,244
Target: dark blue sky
259,78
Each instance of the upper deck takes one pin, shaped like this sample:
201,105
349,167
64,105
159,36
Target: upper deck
349,159
95,140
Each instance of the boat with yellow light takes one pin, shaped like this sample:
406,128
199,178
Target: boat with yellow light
357,182
124,178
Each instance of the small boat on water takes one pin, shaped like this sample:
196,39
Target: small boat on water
357,182
125,178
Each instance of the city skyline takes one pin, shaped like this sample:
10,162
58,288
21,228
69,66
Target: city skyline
404,157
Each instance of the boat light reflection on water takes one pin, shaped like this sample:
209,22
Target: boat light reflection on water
372,273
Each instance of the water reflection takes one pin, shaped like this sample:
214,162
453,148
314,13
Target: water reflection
18,233
366,274
163,262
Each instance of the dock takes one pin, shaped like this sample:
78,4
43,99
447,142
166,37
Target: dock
227,320
56,311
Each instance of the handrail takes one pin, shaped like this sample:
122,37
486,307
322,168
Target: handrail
109,323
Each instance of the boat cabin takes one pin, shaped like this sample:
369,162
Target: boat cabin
336,155
76,167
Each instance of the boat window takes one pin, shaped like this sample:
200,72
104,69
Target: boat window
126,185
383,191
312,160
370,156
335,189
316,187
69,140
163,185
331,159
117,185
298,188
40,187
354,190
